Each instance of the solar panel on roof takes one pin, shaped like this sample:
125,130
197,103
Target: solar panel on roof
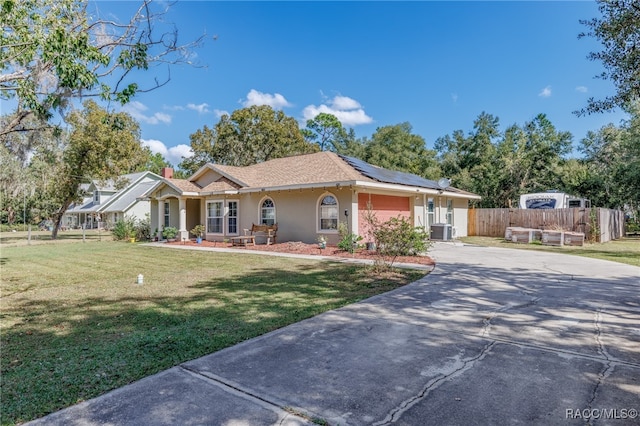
389,176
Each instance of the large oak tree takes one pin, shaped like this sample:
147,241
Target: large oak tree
55,51
101,146
248,136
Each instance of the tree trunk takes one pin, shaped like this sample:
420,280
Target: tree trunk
57,219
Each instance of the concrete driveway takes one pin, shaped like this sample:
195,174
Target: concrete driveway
492,336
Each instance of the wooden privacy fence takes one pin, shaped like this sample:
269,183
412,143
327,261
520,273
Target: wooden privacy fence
597,224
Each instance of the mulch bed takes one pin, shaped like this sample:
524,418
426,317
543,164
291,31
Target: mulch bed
296,247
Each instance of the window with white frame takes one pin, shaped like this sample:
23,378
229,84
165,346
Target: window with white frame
96,197
431,212
267,212
328,213
215,217
232,217
167,210
450,212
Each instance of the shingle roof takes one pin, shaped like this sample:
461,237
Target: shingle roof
222,184
184,185
321,167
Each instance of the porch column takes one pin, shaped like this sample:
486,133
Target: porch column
160,219
182,205
354,213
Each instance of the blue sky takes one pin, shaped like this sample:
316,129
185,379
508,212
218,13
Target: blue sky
437,65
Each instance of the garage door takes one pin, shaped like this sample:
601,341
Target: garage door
384,207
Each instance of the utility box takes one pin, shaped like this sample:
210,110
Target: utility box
441,232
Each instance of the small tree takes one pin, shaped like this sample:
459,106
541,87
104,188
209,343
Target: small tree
198,231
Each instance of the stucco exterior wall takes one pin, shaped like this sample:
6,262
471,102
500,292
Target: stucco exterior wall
297,213
461,218
207,178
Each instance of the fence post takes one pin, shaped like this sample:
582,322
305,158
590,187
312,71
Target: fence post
29,236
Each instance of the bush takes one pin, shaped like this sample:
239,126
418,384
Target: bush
397,237
169,232
348,241
143,229
124,228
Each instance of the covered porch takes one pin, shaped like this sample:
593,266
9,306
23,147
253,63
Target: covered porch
180,212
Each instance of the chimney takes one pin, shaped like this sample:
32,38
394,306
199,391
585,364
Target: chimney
167,173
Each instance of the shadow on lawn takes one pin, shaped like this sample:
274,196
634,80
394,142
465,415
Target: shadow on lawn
536,335
60,352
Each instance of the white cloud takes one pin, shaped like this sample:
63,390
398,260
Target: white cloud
344,103
220,112
155,146
546,92
138,111
582,89
276,101
203,108
173,154
454,97
177,152
347,110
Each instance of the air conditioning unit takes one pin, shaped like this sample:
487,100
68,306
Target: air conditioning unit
441,232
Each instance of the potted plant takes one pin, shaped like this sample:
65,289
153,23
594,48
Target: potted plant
322,242
155,235
170,233
198,232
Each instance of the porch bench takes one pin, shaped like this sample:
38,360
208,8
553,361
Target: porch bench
269,231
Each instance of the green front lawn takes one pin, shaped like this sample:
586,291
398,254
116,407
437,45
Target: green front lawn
626,250
75,324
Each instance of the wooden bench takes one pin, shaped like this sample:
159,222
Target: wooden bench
269,231
244,240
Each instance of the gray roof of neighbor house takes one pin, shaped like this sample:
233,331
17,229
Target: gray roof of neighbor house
122,203
118,183
122,198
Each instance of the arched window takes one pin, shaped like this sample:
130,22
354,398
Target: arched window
267,212
328,213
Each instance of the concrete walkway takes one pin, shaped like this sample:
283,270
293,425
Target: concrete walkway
491,336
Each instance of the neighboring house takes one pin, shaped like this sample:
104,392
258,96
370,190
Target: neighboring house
306,195
111,201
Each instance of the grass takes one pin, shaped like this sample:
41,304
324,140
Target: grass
626,250
21,238
75,324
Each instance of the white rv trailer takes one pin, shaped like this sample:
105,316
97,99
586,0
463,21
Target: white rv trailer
552,200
